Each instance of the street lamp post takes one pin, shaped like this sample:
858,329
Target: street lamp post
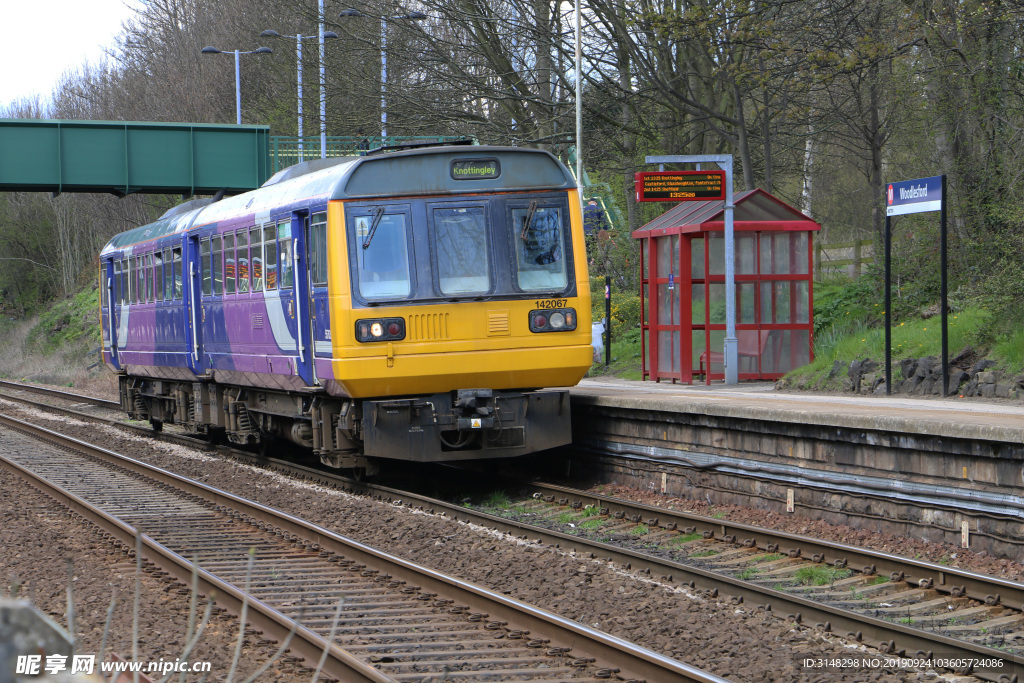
238,77
298,60
410,16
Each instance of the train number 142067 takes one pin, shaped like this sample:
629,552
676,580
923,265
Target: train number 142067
551,303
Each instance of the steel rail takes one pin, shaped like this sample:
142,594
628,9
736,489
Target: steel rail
67,395
634,661
888,636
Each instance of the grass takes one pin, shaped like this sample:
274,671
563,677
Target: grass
625,358
498,500
772,557
566,517
820,575
591,511
591,523
877,580
704,553
639,530
747,573
686,538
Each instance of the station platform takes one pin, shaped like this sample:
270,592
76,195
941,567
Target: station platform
939,469
949,417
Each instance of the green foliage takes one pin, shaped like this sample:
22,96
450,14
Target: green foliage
704,553
685,538
820,575
591,523
639,530
748,573
498,500
72,322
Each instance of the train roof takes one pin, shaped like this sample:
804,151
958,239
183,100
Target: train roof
422,171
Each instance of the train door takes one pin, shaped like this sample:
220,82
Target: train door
302,298
196,276
319,320
111,295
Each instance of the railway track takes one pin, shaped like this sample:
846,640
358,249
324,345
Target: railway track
902,606
377,617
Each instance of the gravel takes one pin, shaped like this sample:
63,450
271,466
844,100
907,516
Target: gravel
708,633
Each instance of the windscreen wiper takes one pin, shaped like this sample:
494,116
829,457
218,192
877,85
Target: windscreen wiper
378,213
528,220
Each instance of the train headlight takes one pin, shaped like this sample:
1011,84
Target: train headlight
380,329
561,320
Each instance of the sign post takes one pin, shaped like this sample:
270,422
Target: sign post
906,197
700,181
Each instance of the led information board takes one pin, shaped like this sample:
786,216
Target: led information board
679,186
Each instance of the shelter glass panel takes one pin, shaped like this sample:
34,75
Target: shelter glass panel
801,245
460,242
716,255
748,343
716,312
801,302
746,253
668,351
698,340
746,304
668,305
716,350
697,304
697,258
668,256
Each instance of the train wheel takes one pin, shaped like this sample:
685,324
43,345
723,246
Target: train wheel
157,425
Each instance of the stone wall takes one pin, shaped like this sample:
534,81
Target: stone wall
923,377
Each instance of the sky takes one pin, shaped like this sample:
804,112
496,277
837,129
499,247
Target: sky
43,39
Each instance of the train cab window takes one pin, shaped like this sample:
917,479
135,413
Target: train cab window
106,283
242,261
460,243
270,255
158,272
125,280
176,277
168,276
287,263
382,255
540,248
230,272
256,259
148,268
318,249
217,265
204,265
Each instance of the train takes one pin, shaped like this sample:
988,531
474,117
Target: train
428,304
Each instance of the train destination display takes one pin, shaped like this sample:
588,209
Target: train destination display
679,186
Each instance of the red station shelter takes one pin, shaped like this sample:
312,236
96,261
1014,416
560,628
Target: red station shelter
682,259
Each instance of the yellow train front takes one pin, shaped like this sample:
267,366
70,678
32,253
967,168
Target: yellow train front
426,305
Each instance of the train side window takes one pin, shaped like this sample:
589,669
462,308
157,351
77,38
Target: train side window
168,276
148,270
540,249
217,265
176,263
256,258
133,278
287,265
318,249
382,255
204,265
460,245
270,255
230,272
105,286
158,273
116,282
242,261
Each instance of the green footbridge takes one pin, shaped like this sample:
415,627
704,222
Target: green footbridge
122,158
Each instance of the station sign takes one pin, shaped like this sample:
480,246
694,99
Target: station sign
914,196
679,186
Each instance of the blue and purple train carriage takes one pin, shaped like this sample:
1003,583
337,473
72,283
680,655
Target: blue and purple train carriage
408,305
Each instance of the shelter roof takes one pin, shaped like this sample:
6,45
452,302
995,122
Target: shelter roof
755,210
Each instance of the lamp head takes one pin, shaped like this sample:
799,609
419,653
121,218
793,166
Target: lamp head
210,51
263,51
330,34
415,16
270,34
351,13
